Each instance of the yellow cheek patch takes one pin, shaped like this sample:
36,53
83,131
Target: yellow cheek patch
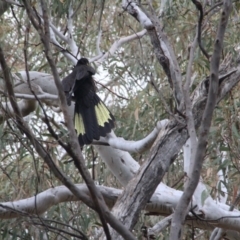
79,126
102,114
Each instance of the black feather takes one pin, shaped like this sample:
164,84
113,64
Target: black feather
91,117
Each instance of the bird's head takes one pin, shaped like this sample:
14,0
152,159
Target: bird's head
83,61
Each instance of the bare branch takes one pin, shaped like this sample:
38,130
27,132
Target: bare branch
71,42
64,51
182,207
117,44
200,9
161,203
162,47
58,33
136,146
13,2
98,41
160,226
99,29
188,105
45,96
219,233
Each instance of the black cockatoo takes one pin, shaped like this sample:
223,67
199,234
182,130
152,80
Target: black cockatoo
92,119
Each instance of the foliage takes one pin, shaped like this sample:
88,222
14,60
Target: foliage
128,73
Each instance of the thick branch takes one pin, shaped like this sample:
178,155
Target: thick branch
188,104
162,47
136,146
161,203
165,149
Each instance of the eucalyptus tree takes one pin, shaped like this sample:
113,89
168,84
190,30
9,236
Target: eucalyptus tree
168,72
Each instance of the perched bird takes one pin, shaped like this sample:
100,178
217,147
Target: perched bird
92,119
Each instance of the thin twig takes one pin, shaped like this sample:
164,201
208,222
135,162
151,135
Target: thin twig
77,8
14,3
160,94
200,9
213,7
63,49
14,15
179,180
111,91
99,36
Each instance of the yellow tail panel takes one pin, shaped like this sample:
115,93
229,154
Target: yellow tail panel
102,113
78,123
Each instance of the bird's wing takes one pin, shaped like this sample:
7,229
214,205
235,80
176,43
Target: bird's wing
68,84
84,71
78,73
69,81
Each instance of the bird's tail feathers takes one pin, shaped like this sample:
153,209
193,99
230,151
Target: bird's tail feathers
92,122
